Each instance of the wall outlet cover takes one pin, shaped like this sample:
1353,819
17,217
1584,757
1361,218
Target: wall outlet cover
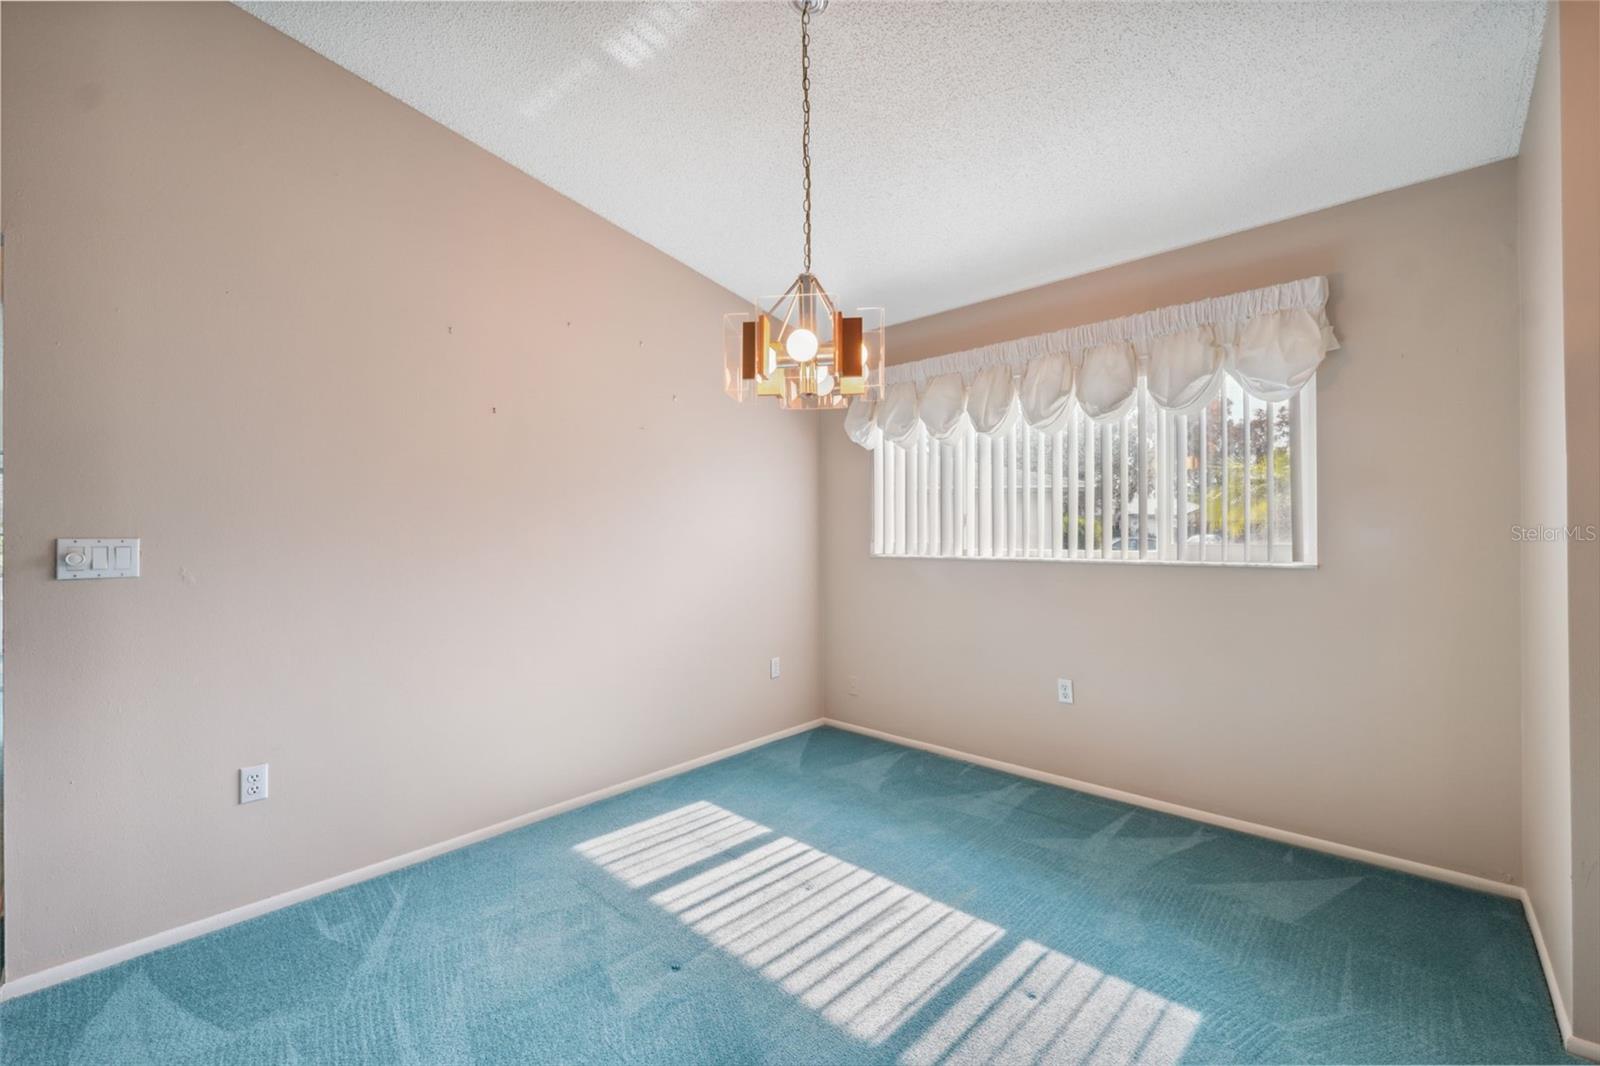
252,783
776,668
1063,690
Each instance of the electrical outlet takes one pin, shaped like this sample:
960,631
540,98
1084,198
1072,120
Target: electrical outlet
252,783
855,685
1063,690
776,668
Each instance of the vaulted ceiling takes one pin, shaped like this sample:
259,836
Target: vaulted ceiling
961,150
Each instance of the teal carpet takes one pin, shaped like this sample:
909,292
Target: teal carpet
833,899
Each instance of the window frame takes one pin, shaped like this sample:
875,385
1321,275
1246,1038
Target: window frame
884,532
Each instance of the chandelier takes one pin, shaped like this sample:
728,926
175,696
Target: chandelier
801,348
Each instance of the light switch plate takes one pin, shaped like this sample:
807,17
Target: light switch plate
87,558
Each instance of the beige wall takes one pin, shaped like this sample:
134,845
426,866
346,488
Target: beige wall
1380,708
1546,724
1580,252
444,513
1558,239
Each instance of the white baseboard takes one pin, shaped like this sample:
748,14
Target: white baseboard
1283,836
66,971
1562,1021
1575,1045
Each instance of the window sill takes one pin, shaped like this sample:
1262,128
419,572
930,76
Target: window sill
1196,564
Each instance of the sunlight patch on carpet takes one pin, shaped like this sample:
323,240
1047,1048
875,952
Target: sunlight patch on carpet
869,954
650,850
1039,1005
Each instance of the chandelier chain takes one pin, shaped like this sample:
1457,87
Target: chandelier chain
805,106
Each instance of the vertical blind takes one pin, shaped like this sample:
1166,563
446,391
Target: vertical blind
1229,482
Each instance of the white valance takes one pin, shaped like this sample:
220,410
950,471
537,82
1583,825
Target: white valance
1270,340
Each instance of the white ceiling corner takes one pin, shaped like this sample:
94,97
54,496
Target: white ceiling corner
960,150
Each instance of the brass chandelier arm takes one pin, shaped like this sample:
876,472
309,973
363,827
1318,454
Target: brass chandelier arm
827,301
805,283
794,286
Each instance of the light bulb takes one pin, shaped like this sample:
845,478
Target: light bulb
801,345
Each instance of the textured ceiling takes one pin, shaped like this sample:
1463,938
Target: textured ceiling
961,150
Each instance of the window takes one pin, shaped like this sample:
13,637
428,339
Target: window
1230,480
1186,434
